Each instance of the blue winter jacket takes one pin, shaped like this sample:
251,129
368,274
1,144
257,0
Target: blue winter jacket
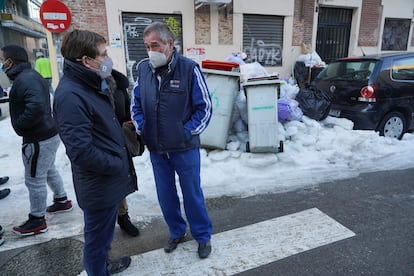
170,112
103,172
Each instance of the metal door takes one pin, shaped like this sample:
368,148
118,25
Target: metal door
334,27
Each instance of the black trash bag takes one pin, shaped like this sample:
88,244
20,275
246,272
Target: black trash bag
314,103
301,72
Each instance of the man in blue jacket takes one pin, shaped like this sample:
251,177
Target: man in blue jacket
171,107
102,168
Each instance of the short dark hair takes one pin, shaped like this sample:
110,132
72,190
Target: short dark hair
16,53
161,29
79,43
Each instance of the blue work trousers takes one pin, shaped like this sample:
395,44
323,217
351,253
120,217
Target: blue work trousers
99,233
187,166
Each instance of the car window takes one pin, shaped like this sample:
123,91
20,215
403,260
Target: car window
403,69
348,70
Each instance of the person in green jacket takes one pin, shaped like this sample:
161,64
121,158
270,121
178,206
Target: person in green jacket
44,68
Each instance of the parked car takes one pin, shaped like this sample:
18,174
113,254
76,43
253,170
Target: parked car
376,92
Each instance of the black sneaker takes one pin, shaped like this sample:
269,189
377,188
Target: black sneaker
60,205
172,244
1,231
126,225
119,265
204,249
4,193
33,226
4,179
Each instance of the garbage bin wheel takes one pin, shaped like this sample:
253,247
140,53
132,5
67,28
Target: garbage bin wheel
281,146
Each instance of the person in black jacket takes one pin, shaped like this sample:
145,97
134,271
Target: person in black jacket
31,118
118,84
102,168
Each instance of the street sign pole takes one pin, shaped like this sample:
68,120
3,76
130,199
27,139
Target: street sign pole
53,50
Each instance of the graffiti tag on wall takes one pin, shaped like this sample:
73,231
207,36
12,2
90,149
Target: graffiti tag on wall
265,54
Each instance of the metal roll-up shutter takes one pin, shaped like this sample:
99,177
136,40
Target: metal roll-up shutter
263,39
133,25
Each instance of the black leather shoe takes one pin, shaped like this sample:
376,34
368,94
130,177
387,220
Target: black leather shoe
4,193
172,244
119,265
4,179
204,249
126,225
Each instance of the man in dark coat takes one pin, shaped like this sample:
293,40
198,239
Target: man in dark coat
102,168
31,118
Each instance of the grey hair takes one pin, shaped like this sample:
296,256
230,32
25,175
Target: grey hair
161,29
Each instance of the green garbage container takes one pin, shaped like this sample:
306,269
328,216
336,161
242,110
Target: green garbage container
261,98
223,87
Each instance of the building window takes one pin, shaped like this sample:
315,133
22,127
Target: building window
395,36
263,39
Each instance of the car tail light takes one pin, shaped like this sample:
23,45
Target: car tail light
368,94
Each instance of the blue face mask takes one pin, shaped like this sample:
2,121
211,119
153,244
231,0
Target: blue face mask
105,68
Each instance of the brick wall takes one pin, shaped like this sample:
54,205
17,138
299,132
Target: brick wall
303,22
370,20
89,15
225,25
203,25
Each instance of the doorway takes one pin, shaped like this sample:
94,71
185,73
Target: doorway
334,28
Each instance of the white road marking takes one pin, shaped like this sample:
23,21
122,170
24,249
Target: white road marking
244,248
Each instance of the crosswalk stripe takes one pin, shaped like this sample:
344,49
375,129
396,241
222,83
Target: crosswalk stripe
245,248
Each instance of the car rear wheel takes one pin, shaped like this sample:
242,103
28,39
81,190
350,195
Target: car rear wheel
392,125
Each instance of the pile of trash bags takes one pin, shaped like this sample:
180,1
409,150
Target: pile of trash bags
293,103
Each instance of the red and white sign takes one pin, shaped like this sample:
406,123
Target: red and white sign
55,16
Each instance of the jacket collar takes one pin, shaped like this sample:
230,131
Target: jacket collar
13,72
82,74
122,81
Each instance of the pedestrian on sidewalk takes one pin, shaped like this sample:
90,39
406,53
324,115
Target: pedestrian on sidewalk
102,168
118,84
31,119
172,98
44,68
4,192
1,235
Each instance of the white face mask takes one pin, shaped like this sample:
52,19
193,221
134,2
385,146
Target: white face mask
157,59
